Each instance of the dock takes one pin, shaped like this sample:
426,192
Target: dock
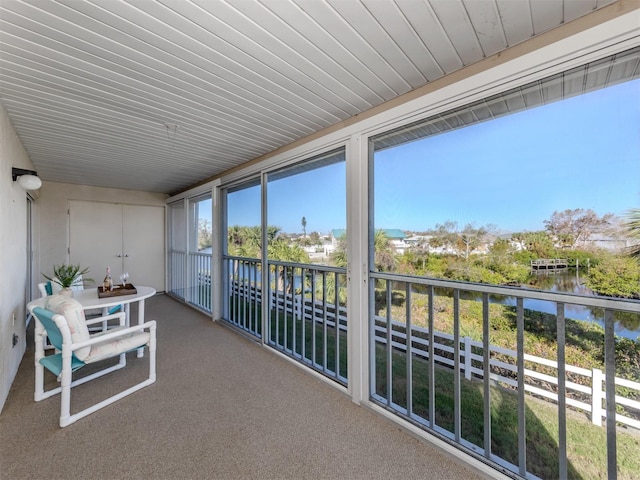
550,264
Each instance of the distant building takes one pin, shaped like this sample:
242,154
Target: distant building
395,235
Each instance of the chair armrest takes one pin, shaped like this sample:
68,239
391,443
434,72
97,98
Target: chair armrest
121,315
115,334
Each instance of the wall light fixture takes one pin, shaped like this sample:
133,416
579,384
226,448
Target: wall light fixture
27,179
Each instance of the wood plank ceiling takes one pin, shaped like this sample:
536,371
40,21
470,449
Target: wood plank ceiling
159,95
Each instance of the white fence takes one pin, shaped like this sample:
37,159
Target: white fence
591,393
471,364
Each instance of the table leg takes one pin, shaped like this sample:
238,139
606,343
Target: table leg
140,322
127,312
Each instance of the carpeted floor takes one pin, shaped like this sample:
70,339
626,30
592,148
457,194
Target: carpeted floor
222,408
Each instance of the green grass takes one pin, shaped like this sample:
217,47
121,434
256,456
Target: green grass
584,344
586,442
282,329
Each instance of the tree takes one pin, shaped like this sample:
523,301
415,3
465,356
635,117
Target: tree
385,255
471,238
633,231
573,227
304,226
339,256
615,277
539,243
280,250
385,258
204,233
314,237
247,241
445,235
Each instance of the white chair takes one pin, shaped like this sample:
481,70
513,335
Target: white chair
45,289
63,321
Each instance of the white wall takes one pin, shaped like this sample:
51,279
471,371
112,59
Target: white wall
54,219
13,254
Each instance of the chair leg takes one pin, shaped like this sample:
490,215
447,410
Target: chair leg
38,393
69,419
40,339
152,354
65,394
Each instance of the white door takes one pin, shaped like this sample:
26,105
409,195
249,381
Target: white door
95,238
144,245
127,238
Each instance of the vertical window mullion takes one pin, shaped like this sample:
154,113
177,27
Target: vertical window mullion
389,350
408,342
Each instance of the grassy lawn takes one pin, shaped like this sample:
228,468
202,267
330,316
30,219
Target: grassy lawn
284,329
584,341
586,442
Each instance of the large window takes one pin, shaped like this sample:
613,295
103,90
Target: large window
242,267
306,205
190,250
487,192
283,264
533,190
200,237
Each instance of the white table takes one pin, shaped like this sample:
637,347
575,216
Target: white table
89,300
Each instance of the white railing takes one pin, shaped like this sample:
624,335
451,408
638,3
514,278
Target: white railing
199,286
471,364
190,277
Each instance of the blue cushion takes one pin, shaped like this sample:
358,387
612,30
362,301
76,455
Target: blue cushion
48,288
46,318
53,363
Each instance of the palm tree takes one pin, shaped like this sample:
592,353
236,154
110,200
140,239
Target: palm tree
234,236
385,255
304,227
279,250
633,230
339,256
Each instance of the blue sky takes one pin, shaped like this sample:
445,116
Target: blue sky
513,172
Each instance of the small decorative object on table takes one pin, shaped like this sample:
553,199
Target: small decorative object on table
107,283
117,291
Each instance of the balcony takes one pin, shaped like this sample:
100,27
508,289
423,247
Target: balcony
222,395
222,407
487,370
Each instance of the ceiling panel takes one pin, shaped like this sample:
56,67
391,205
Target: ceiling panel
158,96
485,19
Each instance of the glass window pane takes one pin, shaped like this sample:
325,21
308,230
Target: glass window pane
200,251
535,188
242,253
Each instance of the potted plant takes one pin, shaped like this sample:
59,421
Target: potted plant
67,276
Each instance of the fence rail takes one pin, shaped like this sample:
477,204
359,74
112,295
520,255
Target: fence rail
469,362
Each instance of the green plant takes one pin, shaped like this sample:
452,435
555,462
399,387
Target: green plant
67,275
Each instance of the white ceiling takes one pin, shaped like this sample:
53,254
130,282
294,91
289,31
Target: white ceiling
94,88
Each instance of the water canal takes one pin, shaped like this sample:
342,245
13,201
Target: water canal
627,325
